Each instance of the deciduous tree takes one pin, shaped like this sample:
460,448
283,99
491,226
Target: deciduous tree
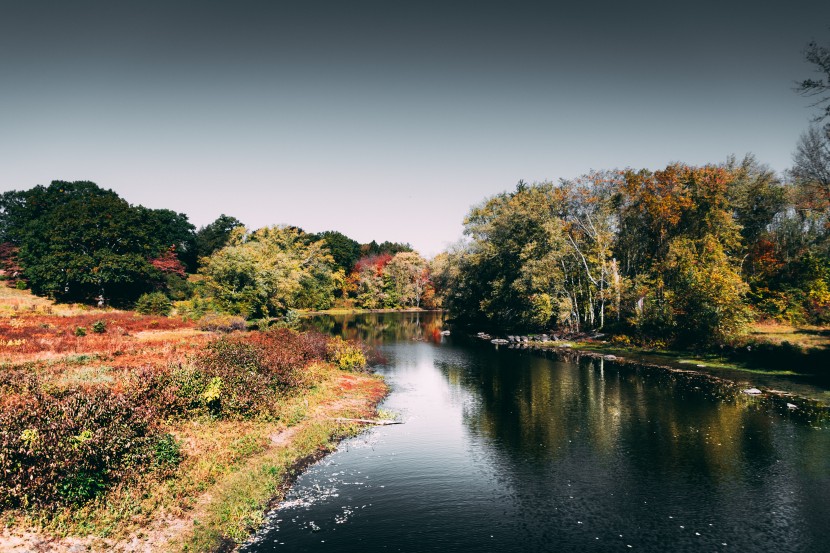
268,271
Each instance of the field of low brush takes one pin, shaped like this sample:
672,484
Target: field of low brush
111,421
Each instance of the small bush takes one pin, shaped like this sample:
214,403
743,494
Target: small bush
154,303
620,340
21,285
291,319
221,323
65,448
346,356
99,327
80,331
212,396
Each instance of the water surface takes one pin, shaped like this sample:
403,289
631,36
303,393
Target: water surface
506,450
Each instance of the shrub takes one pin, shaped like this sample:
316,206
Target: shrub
621,340
243,375
212,396
68,447
346,356
99,327
291,319
153,303
21,285
233,386
221,323
167,454
80,331
173,392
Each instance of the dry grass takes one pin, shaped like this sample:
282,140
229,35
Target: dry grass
804,336
230,468
41,331
22,301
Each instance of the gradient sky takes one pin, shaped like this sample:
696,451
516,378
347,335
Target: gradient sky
387,120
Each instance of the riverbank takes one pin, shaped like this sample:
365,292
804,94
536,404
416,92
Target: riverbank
213,468
360,311
780,384
781,369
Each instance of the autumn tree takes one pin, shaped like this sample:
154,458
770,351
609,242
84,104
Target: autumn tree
408,276
268,271
369,284
685,216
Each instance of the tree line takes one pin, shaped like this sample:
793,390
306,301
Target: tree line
75,241
685,254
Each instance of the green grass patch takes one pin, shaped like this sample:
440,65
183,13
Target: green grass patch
706,360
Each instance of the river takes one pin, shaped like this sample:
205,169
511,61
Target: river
508,450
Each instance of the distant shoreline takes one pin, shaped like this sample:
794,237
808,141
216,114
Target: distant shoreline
360,311
777,386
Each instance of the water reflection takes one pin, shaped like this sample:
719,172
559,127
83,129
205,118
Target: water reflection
596,438
512,451
377,328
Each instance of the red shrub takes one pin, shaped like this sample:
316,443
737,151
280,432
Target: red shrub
242,375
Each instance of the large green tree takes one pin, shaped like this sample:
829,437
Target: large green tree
174,232
78,241
343,249
268,271
215,235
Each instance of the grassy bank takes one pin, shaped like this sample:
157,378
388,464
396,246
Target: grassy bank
770,349
140,433
765,358
782,360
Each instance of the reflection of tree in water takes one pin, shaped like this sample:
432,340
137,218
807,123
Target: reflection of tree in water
320,324
639,439
376,328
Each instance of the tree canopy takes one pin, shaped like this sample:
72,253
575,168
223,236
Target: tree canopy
77,241
655,251
344,250
264,273
215,235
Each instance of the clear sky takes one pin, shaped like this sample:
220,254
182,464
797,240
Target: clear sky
387,120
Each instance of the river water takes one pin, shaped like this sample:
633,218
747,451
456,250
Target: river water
509,450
